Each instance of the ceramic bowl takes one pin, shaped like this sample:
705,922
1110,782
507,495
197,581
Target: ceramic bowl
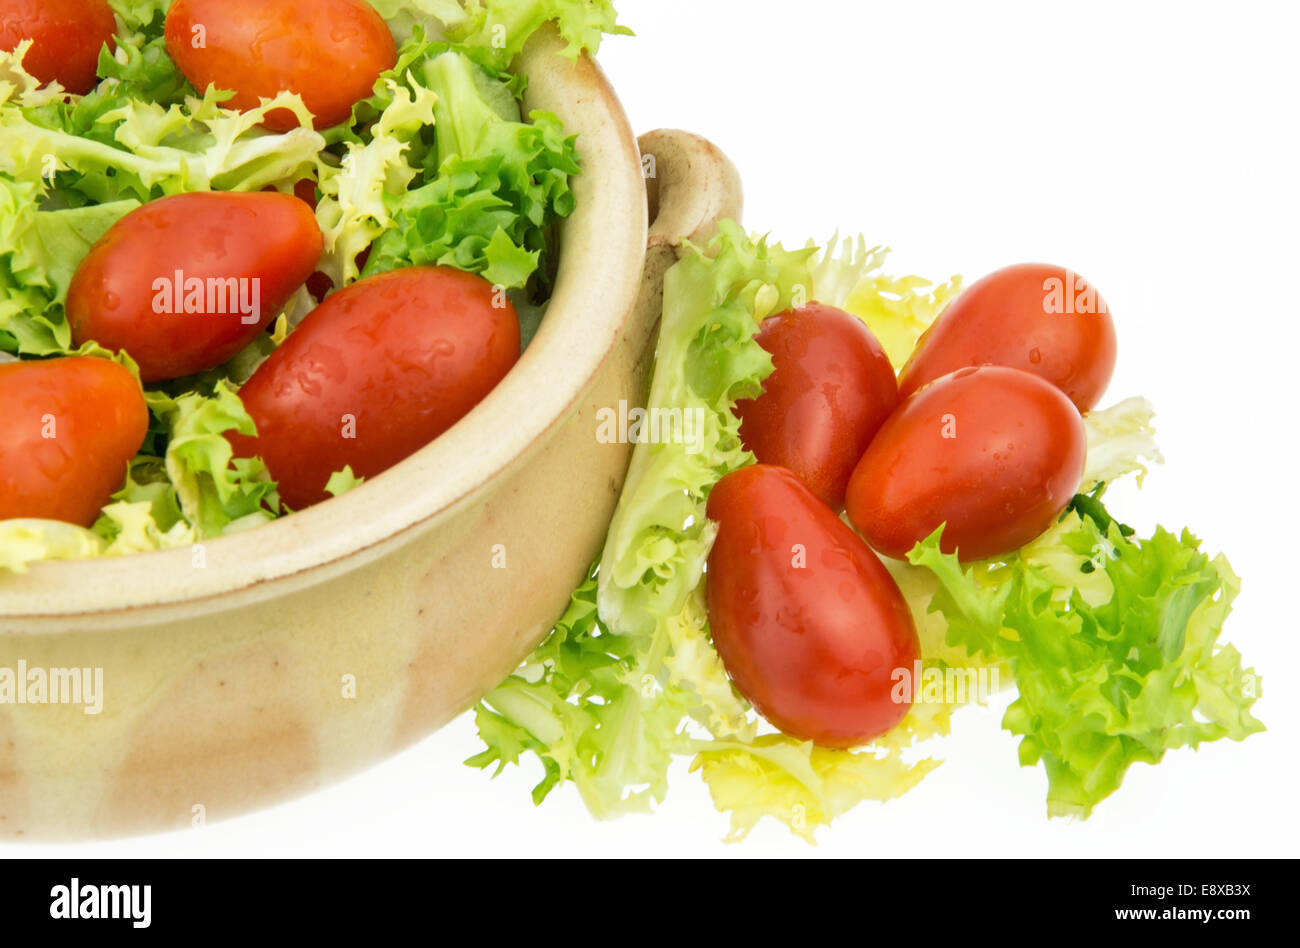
261,666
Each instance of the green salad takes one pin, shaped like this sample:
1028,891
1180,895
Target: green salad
434,165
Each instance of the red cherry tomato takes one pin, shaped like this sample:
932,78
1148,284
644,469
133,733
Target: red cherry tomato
185,282
1039,318
376,372
994,453
809,623
832,389
68,428
66,36
330,52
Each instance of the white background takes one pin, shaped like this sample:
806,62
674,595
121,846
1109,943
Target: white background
1149,146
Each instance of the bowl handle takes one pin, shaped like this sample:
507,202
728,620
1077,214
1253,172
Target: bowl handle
691,186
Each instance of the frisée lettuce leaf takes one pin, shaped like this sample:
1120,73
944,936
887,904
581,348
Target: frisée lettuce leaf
39,253
1114,645
357,193
157,150
707,360
499,184
139,66
850,274
504,26
216,492
1121,441
23,542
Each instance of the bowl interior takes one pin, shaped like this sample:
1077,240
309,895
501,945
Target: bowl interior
601,252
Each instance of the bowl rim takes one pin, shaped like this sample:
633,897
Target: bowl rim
600,262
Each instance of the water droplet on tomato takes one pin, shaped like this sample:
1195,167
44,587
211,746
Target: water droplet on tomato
342,30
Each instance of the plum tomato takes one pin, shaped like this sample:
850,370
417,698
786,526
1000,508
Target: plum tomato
994,453
330,52
66,35
810,625
1035,317
831,390
376,372
68,429
185,282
